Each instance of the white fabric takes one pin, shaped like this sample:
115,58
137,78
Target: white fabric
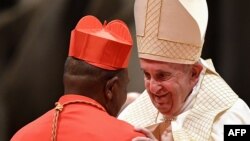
194,7
239,113
170,30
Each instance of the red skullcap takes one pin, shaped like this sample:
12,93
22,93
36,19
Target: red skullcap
106,46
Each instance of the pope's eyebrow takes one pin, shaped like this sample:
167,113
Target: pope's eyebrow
163,71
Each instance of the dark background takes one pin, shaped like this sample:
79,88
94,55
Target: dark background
34,38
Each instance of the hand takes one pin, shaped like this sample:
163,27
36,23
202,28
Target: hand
146,132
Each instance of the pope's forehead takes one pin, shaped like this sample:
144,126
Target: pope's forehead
147,64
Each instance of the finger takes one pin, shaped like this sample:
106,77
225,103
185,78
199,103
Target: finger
146,132
142,139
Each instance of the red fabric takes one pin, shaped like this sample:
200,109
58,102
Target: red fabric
78,122
106,46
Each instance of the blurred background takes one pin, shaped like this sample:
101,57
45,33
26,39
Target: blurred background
34,39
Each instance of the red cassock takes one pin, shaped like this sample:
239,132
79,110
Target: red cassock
80,119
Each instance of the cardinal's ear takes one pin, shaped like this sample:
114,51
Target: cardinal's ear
109,87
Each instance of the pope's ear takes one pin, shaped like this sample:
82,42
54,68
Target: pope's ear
110,86
196,70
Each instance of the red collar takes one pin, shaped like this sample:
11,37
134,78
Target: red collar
74,98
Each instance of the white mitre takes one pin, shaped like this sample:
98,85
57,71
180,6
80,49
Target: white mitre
171,30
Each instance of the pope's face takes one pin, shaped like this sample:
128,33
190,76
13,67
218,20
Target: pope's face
167,84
